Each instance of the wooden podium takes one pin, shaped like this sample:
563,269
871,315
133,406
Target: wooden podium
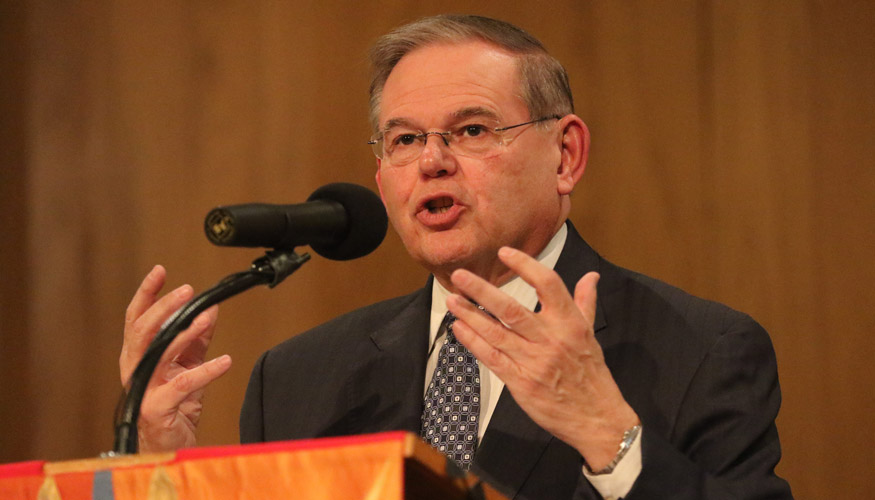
386,466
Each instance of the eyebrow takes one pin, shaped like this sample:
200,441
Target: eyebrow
397,122
458,115
474,111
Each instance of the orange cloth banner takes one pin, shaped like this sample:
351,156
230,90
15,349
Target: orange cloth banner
361,467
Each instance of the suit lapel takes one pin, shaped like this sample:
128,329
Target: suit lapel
513,443
399,353
578,258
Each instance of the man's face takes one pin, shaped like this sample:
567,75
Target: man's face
454,211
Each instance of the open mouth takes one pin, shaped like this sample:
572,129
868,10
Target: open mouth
439,205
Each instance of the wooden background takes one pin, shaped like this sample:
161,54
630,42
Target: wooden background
732,155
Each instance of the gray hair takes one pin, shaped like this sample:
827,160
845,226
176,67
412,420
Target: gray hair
545,88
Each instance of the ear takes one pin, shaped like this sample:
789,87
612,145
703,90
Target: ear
379,180
574,143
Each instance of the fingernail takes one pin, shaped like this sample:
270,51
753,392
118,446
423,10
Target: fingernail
453,299
223,360
153,274
505,251
460,277
184,291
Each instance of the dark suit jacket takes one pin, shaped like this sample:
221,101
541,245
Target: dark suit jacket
702,378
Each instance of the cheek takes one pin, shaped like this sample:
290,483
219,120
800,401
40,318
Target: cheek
505,184
394,194
515,191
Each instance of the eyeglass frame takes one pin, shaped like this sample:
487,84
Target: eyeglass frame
443,135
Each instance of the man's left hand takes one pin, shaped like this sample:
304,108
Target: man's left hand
550,361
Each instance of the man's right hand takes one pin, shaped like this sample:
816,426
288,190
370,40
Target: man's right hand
172,404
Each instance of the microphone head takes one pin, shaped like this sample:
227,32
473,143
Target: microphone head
367,221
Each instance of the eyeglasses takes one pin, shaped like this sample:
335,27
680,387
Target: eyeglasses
400,145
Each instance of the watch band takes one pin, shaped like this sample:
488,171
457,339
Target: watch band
629,437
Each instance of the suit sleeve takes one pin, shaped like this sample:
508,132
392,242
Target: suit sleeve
252,413
724,444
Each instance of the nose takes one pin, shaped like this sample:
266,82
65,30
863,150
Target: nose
436,159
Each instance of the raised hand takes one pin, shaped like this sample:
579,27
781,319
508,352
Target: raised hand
550,361
172,404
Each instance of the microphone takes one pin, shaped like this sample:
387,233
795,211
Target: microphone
339,221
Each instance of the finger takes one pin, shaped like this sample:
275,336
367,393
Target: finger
585,295
551,290
499,304
189,348
139,333
182,386
207,322
475,316
146,294
143,298
488,328
494,358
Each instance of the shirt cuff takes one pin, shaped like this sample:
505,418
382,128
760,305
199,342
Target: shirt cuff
619,482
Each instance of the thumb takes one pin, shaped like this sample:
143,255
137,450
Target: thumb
585,294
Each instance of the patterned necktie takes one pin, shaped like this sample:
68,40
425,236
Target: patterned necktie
452,401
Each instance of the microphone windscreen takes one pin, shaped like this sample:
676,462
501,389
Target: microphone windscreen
367,224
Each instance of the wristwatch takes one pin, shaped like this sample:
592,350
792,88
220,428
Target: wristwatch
629,437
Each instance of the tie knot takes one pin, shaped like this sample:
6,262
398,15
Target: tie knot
447,325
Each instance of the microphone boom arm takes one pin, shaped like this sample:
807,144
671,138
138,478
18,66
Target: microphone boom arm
269,269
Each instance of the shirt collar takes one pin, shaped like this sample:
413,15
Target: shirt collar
524,293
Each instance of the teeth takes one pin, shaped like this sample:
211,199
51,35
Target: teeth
440,206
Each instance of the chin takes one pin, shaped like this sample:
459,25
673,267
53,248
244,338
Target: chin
445,251
444,260
437,257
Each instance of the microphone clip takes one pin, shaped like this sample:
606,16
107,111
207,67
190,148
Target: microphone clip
278,264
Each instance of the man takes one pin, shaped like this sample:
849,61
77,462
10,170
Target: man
589,380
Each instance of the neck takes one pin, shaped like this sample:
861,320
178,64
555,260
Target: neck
491,268
497,277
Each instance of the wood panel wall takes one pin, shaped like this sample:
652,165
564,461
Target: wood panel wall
732,156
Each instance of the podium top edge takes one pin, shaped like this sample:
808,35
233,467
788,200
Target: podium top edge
407,440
